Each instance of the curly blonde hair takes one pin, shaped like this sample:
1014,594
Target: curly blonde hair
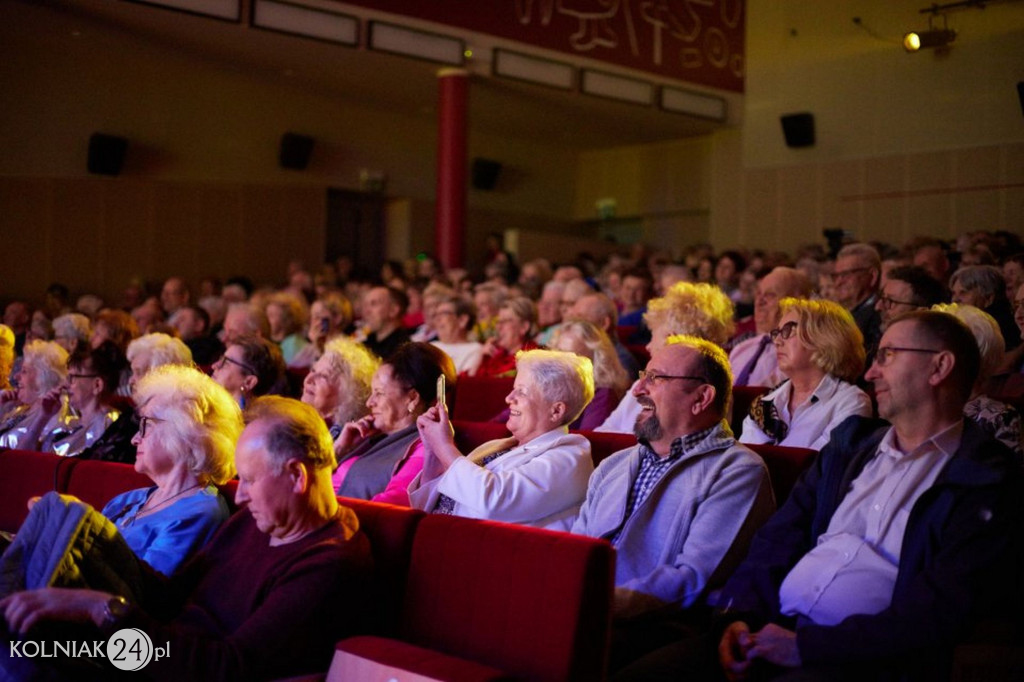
693,309
353,367
828,329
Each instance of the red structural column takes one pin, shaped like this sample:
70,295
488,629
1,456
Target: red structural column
449,239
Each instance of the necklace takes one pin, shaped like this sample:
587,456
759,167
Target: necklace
143,511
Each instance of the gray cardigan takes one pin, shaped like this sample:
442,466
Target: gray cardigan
691,531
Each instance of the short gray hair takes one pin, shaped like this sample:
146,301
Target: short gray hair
986,332
562,377
204,420
73,326
49,360
865,252
985,279
158,349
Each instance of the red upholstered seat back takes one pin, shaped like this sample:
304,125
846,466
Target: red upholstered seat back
479,399
469,435
97,482
390,530
25,474
603,444
784,466
535,603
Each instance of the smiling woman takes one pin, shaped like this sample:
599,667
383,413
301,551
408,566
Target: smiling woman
538,477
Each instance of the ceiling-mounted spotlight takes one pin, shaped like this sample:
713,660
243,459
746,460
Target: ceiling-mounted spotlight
932,38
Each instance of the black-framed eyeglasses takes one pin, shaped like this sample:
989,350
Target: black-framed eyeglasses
883,356
836,276
224,358
785,331
655,378
144,424
889,303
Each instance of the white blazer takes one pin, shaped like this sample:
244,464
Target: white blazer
542,483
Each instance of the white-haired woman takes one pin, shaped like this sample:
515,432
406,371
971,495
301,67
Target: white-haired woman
538,477
43,369
155,350
338,384
71,331
188,428
1000,420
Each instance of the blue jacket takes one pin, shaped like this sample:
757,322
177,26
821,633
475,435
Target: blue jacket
955,548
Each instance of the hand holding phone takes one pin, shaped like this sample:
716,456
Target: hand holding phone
441,403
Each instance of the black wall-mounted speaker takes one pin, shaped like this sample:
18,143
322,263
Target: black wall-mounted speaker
798,129
1020,95
295,151
106,154
485,173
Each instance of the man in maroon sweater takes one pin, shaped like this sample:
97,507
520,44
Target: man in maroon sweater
275,588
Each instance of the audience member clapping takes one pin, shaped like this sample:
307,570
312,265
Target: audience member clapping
378,455
537,477
820,352
250,367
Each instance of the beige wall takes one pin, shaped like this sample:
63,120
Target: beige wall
201,179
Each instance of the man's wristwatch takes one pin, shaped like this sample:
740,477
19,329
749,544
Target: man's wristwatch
114,610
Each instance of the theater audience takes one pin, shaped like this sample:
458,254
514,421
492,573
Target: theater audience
821,353
266,598
693,309
188,429
382,310
893,544
634,292
155,350
174,295
983,286
549,311
488,298
329,316
379,454
114,325
194,328
251,366
453,319
855,282
72,330
43,369
76,414
999,420
537,477
242,319
681,506
610,379
514,332
286,315
599,310
338,383
908,288
753,360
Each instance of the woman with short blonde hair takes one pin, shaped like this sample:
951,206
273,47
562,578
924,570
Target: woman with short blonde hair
820,352
610,379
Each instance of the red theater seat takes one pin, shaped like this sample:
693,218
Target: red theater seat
531,602
603,444
784,466
25,474
469,435
96,483
479,399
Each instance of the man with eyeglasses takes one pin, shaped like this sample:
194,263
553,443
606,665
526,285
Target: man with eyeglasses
908,288
680,506
855,283
896,541
753,360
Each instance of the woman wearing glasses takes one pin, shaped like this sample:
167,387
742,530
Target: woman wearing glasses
821,352
188,428
250,367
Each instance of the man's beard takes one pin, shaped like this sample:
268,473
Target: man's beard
649,429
